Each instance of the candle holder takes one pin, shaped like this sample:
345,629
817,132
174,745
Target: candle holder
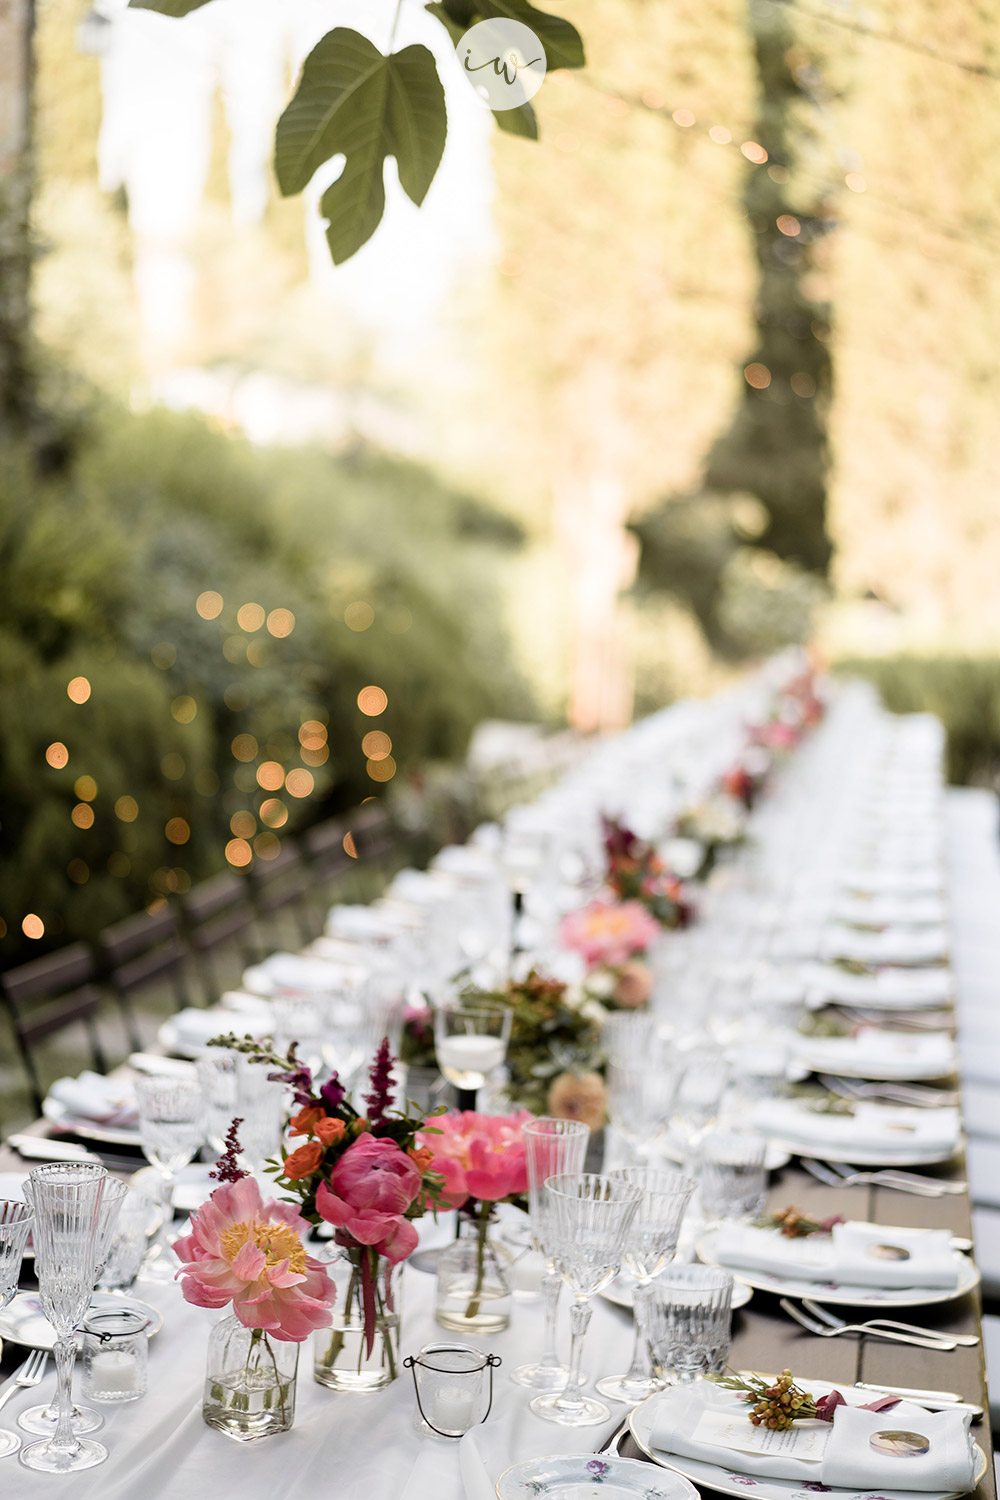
449,1381
114,1354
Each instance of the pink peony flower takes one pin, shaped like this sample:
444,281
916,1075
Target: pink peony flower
610,933
371,1187
247,1252
479,1156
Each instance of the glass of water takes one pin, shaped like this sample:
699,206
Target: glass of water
171,1127
733,1174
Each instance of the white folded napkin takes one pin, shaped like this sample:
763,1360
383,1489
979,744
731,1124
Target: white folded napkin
859,1259
871,1128
844,1257
294,971
106,1101
850,1462
195,1028
888,989
478,1484
708,1424
899,880
893,945
876,1053
883,910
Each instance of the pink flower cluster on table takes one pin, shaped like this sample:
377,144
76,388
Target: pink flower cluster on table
250,1253
479,1156
609,932
370,1189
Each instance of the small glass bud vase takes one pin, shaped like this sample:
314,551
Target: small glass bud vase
475,1280
249,1382
345,1357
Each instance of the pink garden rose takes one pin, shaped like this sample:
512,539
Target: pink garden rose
479,1156
247,1252
371,1187
609,932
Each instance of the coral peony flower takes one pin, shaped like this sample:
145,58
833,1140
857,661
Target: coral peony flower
370,1189
608,932
582,1096
247,1252
632,986
479,1156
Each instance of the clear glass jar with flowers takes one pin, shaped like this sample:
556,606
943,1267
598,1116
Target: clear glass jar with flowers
366,1175
246,1253
481,1159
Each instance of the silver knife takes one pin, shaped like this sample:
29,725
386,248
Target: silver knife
935,1400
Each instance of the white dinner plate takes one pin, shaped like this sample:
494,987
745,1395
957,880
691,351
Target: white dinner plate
857,1156
591,1476
776,1156
899,1065
842,1293
727,1481
22,1321
621,1290
90,1130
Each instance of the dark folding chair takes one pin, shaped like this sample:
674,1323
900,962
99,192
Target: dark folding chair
326,851
138,953
48,996
284,883
217,913
373,834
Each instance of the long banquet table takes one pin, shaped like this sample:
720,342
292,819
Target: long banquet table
367,1448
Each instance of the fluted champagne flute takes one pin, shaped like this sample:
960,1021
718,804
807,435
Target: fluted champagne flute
43,1420
15,1226
650,1246
66,1199
553,1148
171,1128
592,1213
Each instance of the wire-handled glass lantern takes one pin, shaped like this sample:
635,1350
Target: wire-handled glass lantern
453,1394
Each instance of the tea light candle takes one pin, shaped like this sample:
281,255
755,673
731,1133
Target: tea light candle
112,1371
453,1408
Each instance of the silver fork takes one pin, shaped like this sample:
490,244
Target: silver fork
865,1330
823,1172
905,1182
29,1374
968,1339
923,1097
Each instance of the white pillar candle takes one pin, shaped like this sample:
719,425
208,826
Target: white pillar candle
111,1371
452,1408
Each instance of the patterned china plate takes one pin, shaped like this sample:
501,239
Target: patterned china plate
731,1482
586,1476
22,1321
841,1293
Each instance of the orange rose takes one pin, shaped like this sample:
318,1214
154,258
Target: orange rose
421,1156
329,1130
304,1161
304,1123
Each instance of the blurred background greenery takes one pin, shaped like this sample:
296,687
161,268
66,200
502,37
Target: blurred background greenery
714,373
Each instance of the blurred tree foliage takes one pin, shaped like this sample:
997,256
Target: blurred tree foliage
357,572
964,692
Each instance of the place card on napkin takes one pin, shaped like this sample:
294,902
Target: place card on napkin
852,1461
676,1418
724,1429
879,1255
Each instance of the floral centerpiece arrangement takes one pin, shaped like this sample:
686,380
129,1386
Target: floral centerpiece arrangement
635,872
369,1177
719,822
482,1162
249,1254
554,1030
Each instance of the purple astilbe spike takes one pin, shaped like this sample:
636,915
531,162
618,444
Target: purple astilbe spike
226,1168
381,1080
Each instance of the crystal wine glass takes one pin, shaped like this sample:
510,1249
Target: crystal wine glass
43,1420
591,1214
470,1038
15,1225
67,1205
553,1148
171,1127
649,1248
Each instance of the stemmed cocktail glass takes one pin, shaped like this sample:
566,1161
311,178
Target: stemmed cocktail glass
171,1127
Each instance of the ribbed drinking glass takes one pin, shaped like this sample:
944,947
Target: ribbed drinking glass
171,1128
553,1148
591,1214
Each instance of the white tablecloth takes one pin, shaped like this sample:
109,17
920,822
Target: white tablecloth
341,1447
